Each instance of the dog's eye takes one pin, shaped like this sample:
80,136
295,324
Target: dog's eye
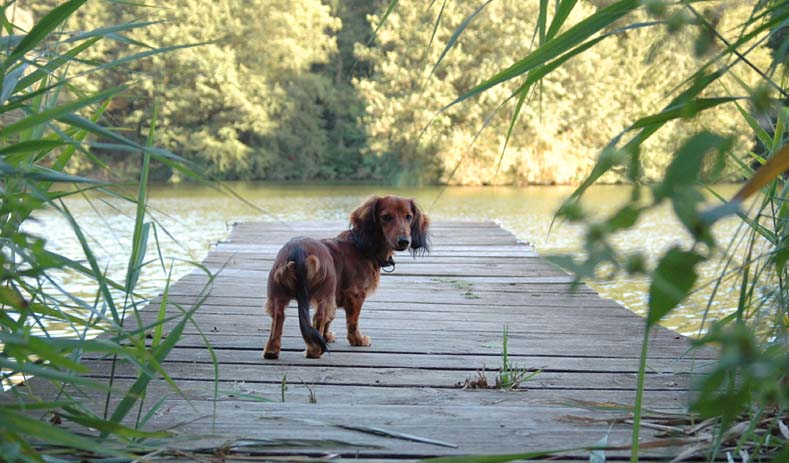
386,217
409,217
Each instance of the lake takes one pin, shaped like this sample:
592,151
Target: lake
190,218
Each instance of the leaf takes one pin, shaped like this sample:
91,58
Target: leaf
10,81
459,30
158,354
761,134
101,32
42,174
388,11
97,274
57,112
53,65
30,146
107,426
46,25
671,282
18,423
624,218
44,371
560,16
775,166
554,48
701,82
542,19
682,109
533,77
435,28
146,54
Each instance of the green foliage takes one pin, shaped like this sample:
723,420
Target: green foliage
672,280
750,371
48,119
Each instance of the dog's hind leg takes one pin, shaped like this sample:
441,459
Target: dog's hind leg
275,308
323,308
323,318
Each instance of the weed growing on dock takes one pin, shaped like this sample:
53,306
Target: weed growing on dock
480,382
312,398
510,375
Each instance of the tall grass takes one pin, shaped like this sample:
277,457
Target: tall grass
47,120
746,393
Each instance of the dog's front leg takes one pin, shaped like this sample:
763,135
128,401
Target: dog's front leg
353,308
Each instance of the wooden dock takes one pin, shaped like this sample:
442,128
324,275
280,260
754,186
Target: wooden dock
436,324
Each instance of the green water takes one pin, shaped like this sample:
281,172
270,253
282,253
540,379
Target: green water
199,216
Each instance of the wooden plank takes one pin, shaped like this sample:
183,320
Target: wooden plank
535,344
418,310
491,363
273,371
436,250
355,395
562,285
546,301
469,428
623,326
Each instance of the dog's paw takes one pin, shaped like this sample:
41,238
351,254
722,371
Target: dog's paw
313,352
330,337
270,355
360,341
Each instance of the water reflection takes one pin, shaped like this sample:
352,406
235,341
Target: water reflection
190,218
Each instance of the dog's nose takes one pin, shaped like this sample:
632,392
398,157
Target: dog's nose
403,242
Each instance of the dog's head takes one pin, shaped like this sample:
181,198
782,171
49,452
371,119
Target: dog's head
390,224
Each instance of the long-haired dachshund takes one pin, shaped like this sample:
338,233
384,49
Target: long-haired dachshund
341,271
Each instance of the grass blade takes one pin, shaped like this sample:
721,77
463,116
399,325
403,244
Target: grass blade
57,112
456,34
388,11
774,167
41,30
554,48
562,13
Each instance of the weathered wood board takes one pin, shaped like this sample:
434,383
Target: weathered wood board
435,322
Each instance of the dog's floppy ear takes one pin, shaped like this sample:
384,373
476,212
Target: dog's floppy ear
420,238
364,225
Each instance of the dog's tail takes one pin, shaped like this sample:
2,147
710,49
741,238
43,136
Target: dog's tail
298,275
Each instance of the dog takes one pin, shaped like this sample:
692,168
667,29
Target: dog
341,271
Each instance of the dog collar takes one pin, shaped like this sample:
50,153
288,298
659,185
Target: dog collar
388,263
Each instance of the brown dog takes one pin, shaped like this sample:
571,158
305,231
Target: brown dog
341,271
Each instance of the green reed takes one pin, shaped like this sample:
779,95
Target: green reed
48,120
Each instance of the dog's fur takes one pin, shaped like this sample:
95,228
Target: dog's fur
341,271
